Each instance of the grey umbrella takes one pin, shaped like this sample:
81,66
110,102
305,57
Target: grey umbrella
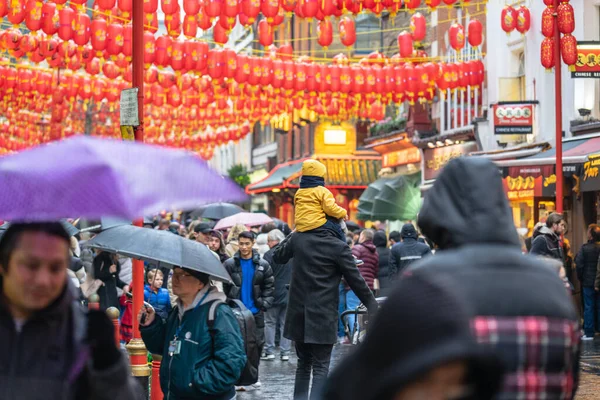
161,248
220,210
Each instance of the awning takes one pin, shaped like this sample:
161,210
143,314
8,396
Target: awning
353,172
276,178
575,151
391,199
511,153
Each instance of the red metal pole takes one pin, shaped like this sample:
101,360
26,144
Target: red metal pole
156,392
94,302
113,313
137,351
558,112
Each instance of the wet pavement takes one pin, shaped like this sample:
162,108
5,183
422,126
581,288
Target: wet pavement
277,377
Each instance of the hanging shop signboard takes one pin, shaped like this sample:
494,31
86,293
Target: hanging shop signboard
588,60
513,119
589,179
401,157
436,159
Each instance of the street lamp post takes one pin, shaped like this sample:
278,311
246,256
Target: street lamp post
558,111
137,351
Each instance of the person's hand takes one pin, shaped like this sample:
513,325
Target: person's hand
101,339
150,316
597,289
113,269
126,289
346,217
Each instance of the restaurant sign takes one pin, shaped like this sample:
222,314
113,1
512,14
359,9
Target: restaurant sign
513,119
588,60
401,157
436,159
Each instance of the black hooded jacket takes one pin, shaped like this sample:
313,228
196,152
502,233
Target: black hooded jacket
407,252
467,214
383,251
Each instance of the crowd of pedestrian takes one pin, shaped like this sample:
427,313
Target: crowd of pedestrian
464,314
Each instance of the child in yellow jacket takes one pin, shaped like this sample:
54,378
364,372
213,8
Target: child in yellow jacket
315,205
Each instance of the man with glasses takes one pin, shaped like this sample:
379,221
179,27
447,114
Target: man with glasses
253,283
197,363
547,243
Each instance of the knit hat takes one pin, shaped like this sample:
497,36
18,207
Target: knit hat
408,231
422,325
313,168
380,239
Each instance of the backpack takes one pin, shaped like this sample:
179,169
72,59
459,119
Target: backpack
245,320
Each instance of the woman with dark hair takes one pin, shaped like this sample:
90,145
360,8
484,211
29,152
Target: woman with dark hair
381,243
107,269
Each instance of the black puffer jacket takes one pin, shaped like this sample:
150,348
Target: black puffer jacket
263,283
283,275
466,213
586,263
407,252
547,244
380,241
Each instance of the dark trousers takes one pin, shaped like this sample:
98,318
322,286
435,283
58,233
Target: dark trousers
591,310
315,359
259,320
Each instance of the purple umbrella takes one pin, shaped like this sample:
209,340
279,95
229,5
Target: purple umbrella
92,178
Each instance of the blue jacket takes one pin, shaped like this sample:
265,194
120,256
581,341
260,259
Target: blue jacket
203,369
161,301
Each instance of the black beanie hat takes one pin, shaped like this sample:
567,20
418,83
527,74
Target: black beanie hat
408,231
421,326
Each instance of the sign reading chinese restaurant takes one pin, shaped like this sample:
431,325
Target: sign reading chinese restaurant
513,119
401,157
436,159
588,60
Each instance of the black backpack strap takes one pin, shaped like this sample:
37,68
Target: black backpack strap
210,320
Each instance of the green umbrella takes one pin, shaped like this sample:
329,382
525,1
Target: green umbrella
398,200
366,200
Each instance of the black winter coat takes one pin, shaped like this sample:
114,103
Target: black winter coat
586,263
283,275
320,261
384,269
405,253
108,292
547,244
262,283
466,213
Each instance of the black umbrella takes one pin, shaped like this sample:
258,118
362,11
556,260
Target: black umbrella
161,248
104,223
352,226
218,211
70,228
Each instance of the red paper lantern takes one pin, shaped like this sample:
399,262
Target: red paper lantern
456,34
29,43
418,27
523,19
164,48
412,5
215,63
568,47
93,67
151,22
177,55
169,6
220,34
212,8
285,52
16,11
98,34
265,33
347,30
547,52
508,19
475,33
66,49
405,44
33,15
81,29
309,8
565,18
289,5
204,21
548,22
231,8
106,5
65,17
12,37
251,9
114,39
149,48
191,7
125,6
278,19
226,22
50,21
432,4
190,26
230,60
269,8
325,33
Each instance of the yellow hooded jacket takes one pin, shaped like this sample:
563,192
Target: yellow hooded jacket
312,204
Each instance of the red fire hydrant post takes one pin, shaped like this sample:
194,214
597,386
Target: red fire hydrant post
113,313
94,302
155,390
